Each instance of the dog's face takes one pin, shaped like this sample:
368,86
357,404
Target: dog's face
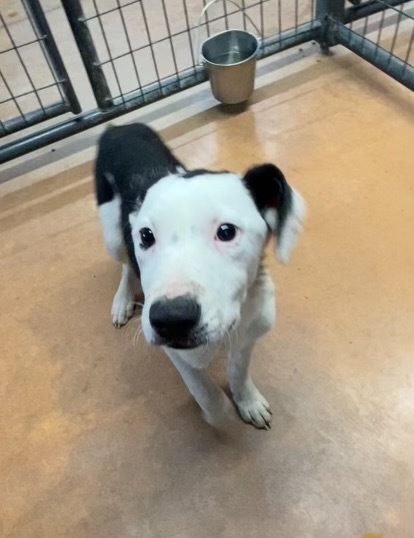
198,241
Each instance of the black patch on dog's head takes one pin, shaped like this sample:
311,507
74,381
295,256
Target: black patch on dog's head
281,207
269,189
189,174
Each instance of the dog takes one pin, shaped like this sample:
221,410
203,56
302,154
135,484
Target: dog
193,240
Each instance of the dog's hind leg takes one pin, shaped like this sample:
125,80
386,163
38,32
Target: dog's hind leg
124,299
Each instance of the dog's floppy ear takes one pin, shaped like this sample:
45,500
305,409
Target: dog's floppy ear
282,207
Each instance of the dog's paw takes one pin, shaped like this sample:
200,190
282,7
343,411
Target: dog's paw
122,309
254,408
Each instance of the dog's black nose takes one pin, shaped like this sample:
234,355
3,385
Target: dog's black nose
175,318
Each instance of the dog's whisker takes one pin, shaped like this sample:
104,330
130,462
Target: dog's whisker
129,328
228,337
137,336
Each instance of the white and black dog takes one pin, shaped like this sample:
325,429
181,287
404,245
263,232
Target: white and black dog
195,239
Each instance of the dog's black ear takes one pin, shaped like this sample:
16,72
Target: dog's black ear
282,207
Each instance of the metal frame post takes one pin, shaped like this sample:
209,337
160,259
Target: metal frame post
86,47
326,10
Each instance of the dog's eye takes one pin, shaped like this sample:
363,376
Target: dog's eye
147,238
226,232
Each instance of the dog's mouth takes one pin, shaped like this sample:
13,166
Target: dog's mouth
191,341
197,339
181,343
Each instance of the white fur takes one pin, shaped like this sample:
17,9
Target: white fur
110,219
237,303
124,299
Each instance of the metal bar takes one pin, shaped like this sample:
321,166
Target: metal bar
151,93
86,46
48,45
188,31
150,44
397,27
262,30
364,31
375,55
296,13
32,118
207,21
225,14
410,46
279,19
164,9
134,63
368,8
244,18
381,27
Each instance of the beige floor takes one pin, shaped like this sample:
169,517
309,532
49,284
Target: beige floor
99,437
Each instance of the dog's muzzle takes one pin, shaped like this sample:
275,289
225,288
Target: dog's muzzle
175,322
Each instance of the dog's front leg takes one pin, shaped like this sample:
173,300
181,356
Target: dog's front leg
253,407
216,406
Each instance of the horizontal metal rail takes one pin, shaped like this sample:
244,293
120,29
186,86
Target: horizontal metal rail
36,116
369,8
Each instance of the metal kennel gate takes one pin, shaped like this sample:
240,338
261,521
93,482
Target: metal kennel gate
135,52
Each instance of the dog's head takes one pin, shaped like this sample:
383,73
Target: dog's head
198,240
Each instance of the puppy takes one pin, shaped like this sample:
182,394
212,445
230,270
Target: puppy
194,240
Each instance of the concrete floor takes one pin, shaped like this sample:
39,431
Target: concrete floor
100,438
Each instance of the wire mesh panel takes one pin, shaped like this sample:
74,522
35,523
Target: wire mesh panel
146,49
33,82
392,29
382,32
